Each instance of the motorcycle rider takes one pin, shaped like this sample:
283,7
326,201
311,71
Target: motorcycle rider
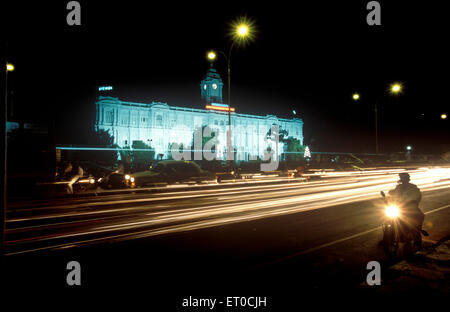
408,196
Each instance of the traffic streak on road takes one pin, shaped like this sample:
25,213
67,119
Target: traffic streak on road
74,222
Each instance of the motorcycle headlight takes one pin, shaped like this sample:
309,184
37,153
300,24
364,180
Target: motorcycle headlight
392,211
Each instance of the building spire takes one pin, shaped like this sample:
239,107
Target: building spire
211,86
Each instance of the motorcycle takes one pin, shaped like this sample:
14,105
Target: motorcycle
395,231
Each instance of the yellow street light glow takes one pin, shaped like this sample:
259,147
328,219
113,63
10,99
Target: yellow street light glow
211,55
9,67
242,30
356,96
396,88
444,116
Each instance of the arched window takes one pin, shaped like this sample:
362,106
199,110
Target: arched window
159,120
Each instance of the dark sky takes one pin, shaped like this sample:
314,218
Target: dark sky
307,55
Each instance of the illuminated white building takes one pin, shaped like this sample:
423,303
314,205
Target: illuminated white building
160,125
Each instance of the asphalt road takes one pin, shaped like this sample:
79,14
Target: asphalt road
225,239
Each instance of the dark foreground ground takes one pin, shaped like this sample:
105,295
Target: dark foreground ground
311,259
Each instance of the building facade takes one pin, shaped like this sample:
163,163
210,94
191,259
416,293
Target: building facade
160,125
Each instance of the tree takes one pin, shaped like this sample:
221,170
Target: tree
98,142
139,157
295,151
282,134
142,155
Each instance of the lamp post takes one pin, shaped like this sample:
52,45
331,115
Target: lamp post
394,89
241,32
8,68
212,56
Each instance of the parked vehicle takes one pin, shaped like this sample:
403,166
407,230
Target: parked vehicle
229,176
116,180
172,171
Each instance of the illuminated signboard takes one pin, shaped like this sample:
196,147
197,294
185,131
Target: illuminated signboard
219,104
220,108
105,88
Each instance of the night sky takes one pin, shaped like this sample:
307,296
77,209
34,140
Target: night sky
308,56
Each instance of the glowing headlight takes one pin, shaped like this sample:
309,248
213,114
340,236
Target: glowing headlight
127,177
131,179
92,180
392,211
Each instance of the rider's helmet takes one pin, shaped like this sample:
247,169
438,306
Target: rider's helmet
404,177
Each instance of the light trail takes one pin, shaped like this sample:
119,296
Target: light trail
232,205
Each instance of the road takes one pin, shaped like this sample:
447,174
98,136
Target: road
315,232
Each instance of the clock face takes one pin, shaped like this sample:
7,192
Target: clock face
214,86
204,87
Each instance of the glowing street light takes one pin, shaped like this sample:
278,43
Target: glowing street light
242,30
211,55
355,96
9,67
396,88
444,116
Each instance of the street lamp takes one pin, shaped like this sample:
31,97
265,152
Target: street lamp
241,32
211,55
394,89
9,68
444,116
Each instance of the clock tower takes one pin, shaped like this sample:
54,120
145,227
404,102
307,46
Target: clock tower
211,87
